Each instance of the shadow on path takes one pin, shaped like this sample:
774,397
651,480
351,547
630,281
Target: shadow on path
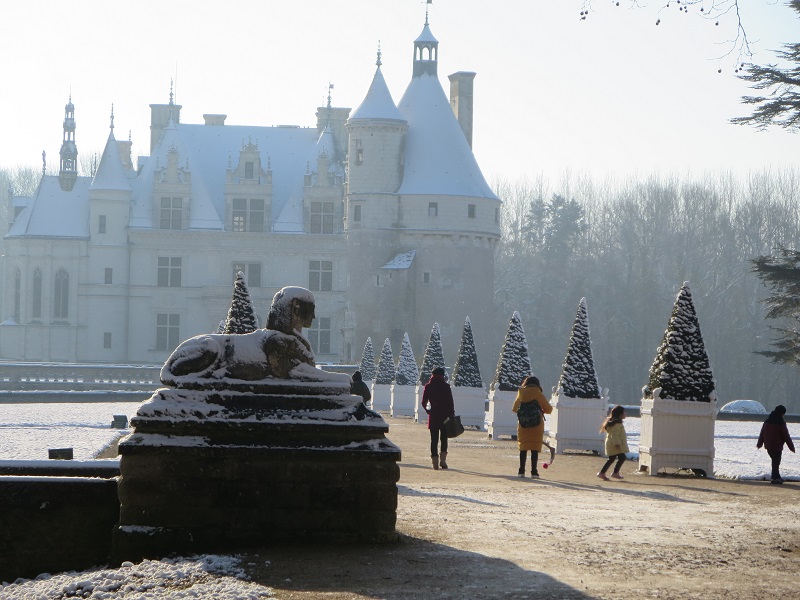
409,569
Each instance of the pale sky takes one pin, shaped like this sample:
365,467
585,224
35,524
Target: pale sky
613,95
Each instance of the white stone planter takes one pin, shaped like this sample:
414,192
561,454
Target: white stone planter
381,396
575,423
470,403
369,384
677,434
501,420
403,399
420,416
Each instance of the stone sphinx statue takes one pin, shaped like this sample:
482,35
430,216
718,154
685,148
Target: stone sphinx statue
278,352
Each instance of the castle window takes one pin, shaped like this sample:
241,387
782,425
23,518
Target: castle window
433,209
17,295
322,217
497,215
319,335
36,309
101,224
426,277
471,211
248,170
357,212
109,275
252,273
107,340
168,327
359,156
247,215
169,271
61,295
320,275
171,213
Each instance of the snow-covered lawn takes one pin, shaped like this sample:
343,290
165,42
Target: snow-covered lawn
28,430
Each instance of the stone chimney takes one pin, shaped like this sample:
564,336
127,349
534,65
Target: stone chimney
461,85
160,115
215,120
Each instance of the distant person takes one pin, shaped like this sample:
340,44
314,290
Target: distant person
774,434
359,388
437,400
530,407
616,442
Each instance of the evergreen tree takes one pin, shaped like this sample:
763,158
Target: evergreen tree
781,274
241,316
466,372
781,106
221,326
433,357
385,371
367,367
407,372
578,377
514,364
681,368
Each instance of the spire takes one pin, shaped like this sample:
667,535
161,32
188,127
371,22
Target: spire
330,87
378,62
426,51
112,117
68,171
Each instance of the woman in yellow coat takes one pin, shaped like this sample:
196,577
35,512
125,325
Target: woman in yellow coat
529,438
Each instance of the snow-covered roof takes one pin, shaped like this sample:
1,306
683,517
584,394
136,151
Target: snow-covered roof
426,35
378,103
111,175
52,212
207,150
438,159
401,261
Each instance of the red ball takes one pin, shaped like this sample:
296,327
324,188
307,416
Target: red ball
545,465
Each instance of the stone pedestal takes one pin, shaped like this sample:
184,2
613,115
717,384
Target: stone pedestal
575,423
208,470
381,396
404,397
677,434
470,403
501,420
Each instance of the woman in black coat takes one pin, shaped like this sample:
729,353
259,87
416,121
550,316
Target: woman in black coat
437,400
774,434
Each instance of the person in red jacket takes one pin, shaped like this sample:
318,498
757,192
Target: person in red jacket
437,400
774,434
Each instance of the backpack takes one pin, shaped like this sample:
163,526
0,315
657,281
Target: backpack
529,414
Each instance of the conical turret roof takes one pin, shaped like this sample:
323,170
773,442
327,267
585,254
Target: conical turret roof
110,173
378,103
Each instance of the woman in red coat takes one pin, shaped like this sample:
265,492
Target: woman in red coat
774,434
437,400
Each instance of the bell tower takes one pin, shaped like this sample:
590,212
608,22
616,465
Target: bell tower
68,170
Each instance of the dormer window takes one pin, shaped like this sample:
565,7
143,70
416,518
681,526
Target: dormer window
248,170
171,215
247,214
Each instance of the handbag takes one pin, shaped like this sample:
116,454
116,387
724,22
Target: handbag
453,427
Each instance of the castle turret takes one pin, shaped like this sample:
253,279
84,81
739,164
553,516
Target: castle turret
68,170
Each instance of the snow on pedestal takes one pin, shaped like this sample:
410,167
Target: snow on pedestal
679,406
578,405
469,394
512,368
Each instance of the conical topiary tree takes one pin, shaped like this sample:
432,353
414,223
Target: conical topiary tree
681,370
514,364
367,367
466,372
407,372
221,326
578,377
433,357
384,374
241,316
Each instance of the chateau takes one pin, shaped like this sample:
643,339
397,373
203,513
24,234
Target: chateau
381,211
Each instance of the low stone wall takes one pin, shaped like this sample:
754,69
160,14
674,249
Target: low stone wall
53,524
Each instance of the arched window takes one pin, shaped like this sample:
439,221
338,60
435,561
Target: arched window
17,294
61,295
36,308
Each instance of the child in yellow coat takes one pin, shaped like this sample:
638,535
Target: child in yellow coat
616,442
529,439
